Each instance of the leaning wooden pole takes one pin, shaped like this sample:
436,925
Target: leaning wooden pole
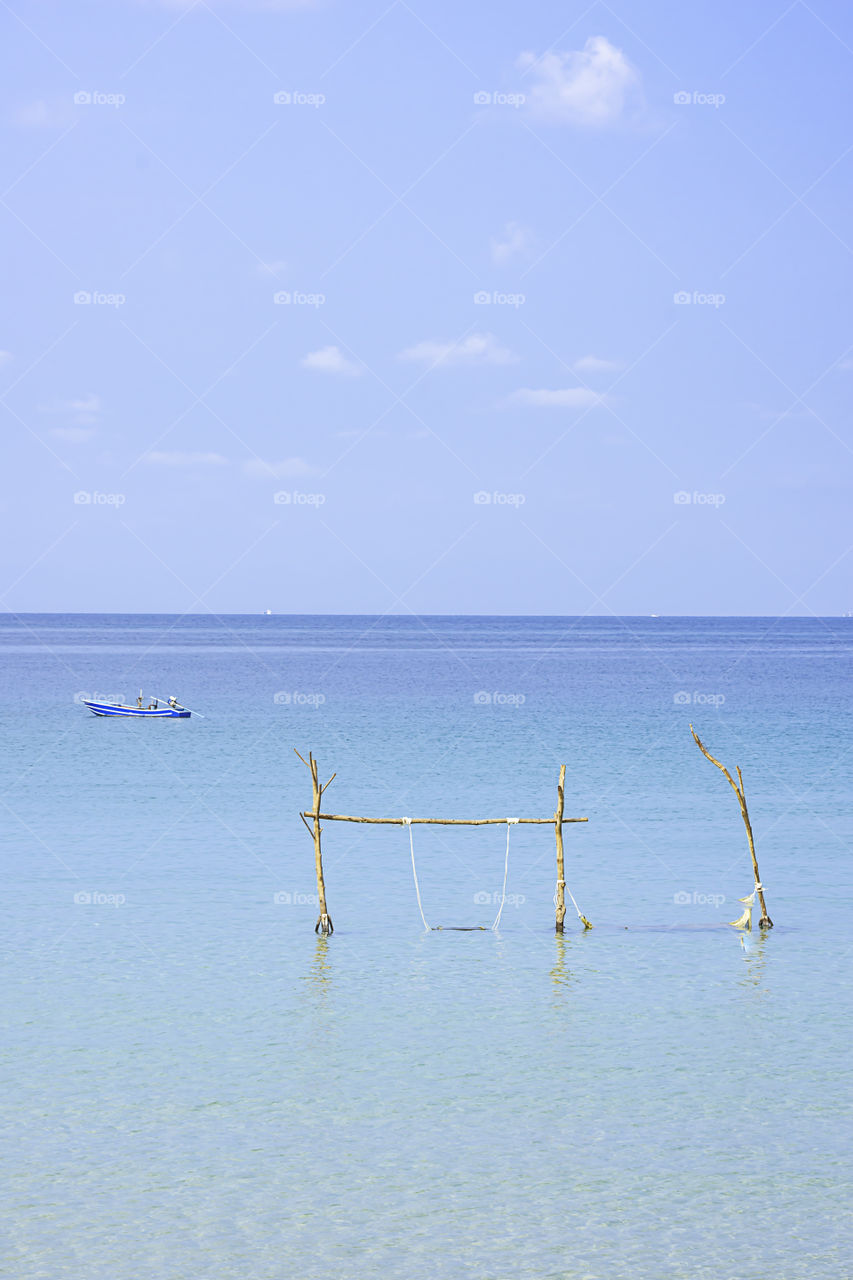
324,920
765,922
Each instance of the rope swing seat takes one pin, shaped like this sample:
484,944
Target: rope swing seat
459,928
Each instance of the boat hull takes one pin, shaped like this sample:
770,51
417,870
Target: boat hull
116,709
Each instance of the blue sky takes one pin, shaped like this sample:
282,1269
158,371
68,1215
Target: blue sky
563,319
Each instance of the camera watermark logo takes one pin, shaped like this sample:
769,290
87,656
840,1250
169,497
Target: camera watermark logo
295,298
296,699
296,98
698,299
684,499
685,699
94,98
83,498
84,899
497,699
684,899
92,298
696,99
494,298
285,898
484,98
483,899
294,498
484,499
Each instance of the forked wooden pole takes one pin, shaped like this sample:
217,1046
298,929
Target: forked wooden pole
560,897
324,922
561,868
765,922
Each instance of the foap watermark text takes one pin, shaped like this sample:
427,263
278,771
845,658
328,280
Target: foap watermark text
495,499
685,699
483,698
296,699
683,498
685,899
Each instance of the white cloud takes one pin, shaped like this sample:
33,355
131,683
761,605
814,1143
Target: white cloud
269,5
281,470
845,365
595,364
562,398
45,115
84,409
274,268
72,435
88,404
515,240
330,360
5,357
380,433
477,348
589,86
180,459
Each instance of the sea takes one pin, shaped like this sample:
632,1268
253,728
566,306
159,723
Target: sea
196,1084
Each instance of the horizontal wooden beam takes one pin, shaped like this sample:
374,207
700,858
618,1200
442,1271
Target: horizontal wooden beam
439,822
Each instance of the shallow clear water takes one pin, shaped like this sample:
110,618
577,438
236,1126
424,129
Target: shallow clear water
197,1086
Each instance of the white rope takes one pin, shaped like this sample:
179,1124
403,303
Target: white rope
408,823
510,822
571,895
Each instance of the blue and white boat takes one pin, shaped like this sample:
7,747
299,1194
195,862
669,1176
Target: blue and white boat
156,708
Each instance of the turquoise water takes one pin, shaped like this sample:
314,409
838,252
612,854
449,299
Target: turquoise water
197,1086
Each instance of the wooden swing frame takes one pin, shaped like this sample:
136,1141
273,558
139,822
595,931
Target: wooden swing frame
556,820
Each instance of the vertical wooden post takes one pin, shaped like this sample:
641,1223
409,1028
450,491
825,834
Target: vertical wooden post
324,921
558,828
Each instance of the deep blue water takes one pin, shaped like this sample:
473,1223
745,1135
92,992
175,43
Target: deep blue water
197,1086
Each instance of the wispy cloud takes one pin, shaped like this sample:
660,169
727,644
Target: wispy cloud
281,470
181,459
590,86
381,433
5,357
83,410
274,268
87,404
562,398
72,435
595,364
275,6
477,348
41,114
330,360
513,242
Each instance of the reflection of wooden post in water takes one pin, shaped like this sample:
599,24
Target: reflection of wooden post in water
559,973
321,971
755,960
765,922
